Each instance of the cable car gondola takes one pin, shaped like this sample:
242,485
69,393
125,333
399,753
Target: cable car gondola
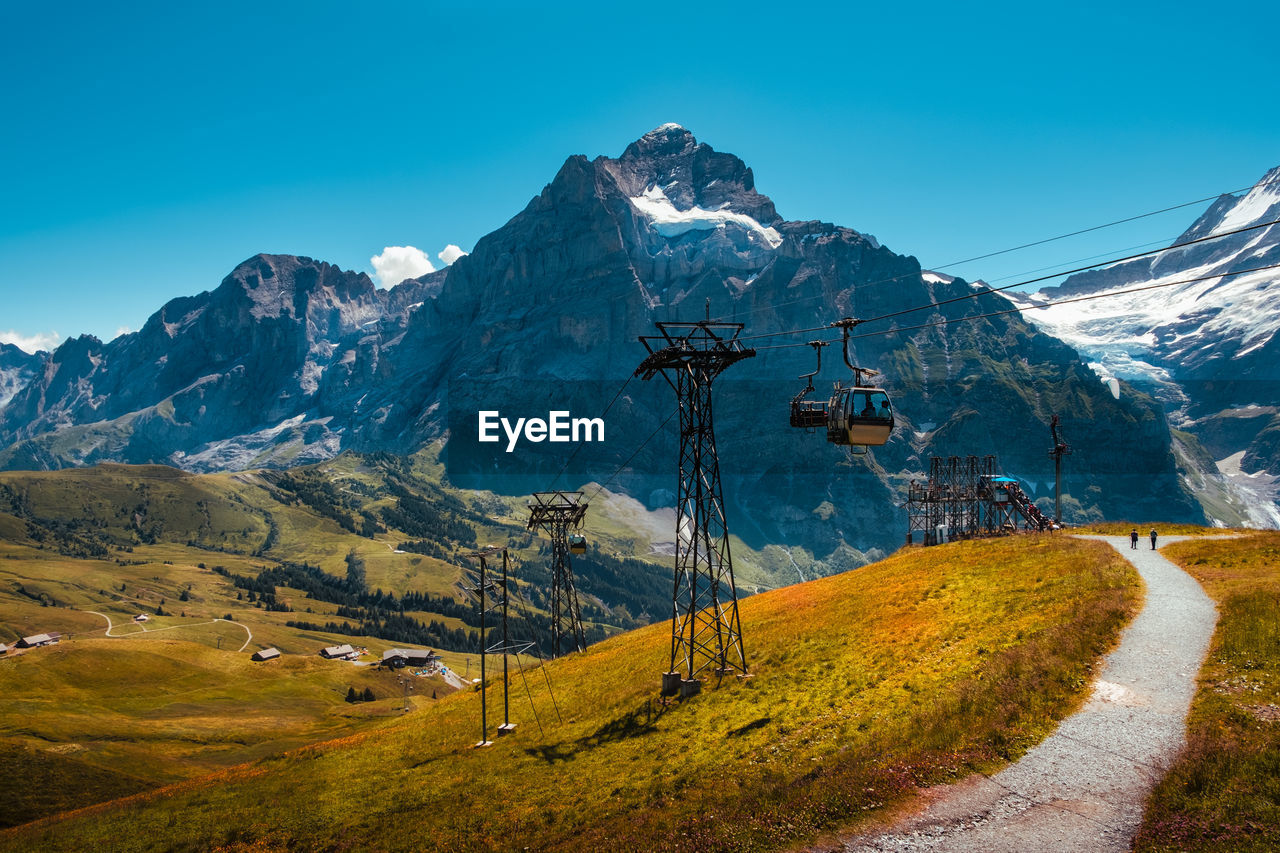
859,415
577,544
810,414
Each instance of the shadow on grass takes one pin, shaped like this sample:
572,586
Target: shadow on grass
750,727
636,723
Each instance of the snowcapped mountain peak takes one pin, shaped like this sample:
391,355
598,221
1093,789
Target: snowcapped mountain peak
1260,204
1231,213
1196,325
691,175
670,221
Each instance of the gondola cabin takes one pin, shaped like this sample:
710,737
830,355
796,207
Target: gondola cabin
808,414
859,416
577,544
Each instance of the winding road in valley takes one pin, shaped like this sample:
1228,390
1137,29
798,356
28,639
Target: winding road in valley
1084,787
145,630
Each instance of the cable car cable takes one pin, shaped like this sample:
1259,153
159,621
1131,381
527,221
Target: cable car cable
633,455
1106,225
1091,296
1176,246
1027,245
1025,282
574,455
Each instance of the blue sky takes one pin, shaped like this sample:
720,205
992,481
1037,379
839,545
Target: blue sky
151,147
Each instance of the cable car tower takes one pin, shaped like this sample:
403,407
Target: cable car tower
556,512
705,631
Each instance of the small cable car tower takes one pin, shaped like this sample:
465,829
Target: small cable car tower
705,630
1060,449
486,592
556,512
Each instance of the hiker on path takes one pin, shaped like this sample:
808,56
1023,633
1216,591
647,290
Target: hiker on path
1153,539
1133,538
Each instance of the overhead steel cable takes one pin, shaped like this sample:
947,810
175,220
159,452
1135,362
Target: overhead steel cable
1105,225
1016,310
574,455
1146,254
600,488
895,278
977,293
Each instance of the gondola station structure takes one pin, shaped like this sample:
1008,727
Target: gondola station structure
967,498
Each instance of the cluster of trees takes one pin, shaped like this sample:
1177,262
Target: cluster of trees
257,590
365,696
439,521
375,614
399,628
315,490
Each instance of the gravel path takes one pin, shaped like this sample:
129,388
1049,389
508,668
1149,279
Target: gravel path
1084,787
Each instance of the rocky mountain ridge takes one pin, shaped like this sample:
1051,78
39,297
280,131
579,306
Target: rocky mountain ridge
17,369
291,360
1196,327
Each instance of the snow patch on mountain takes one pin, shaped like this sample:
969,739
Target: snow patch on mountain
1260,490
1133,332
1256,204
669,221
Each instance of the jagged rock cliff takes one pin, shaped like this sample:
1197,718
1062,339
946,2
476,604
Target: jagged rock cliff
290,360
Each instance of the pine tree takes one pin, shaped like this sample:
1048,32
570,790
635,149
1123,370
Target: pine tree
368,695
351,695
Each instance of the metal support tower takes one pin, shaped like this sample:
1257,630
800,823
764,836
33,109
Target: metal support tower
556,512
705,630
494,595
482,586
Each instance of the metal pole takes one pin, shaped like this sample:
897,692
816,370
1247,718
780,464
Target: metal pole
506,705
484,720
1057,487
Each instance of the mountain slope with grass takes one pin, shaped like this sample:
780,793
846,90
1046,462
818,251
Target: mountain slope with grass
914,670
1224,792
362,549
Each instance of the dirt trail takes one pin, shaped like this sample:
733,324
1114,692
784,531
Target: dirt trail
145,630
1084,787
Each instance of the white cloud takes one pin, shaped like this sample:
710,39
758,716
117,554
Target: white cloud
123,330
450,254
396,263
31,343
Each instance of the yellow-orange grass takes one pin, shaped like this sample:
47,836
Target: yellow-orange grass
1224,792
908,672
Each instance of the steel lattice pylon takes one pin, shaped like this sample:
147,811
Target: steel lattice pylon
556,512
705,629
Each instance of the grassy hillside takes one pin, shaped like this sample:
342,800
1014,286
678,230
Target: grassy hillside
93,719
1224,792
914,670
364,549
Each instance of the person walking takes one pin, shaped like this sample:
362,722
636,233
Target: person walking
1133,538
1153,539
